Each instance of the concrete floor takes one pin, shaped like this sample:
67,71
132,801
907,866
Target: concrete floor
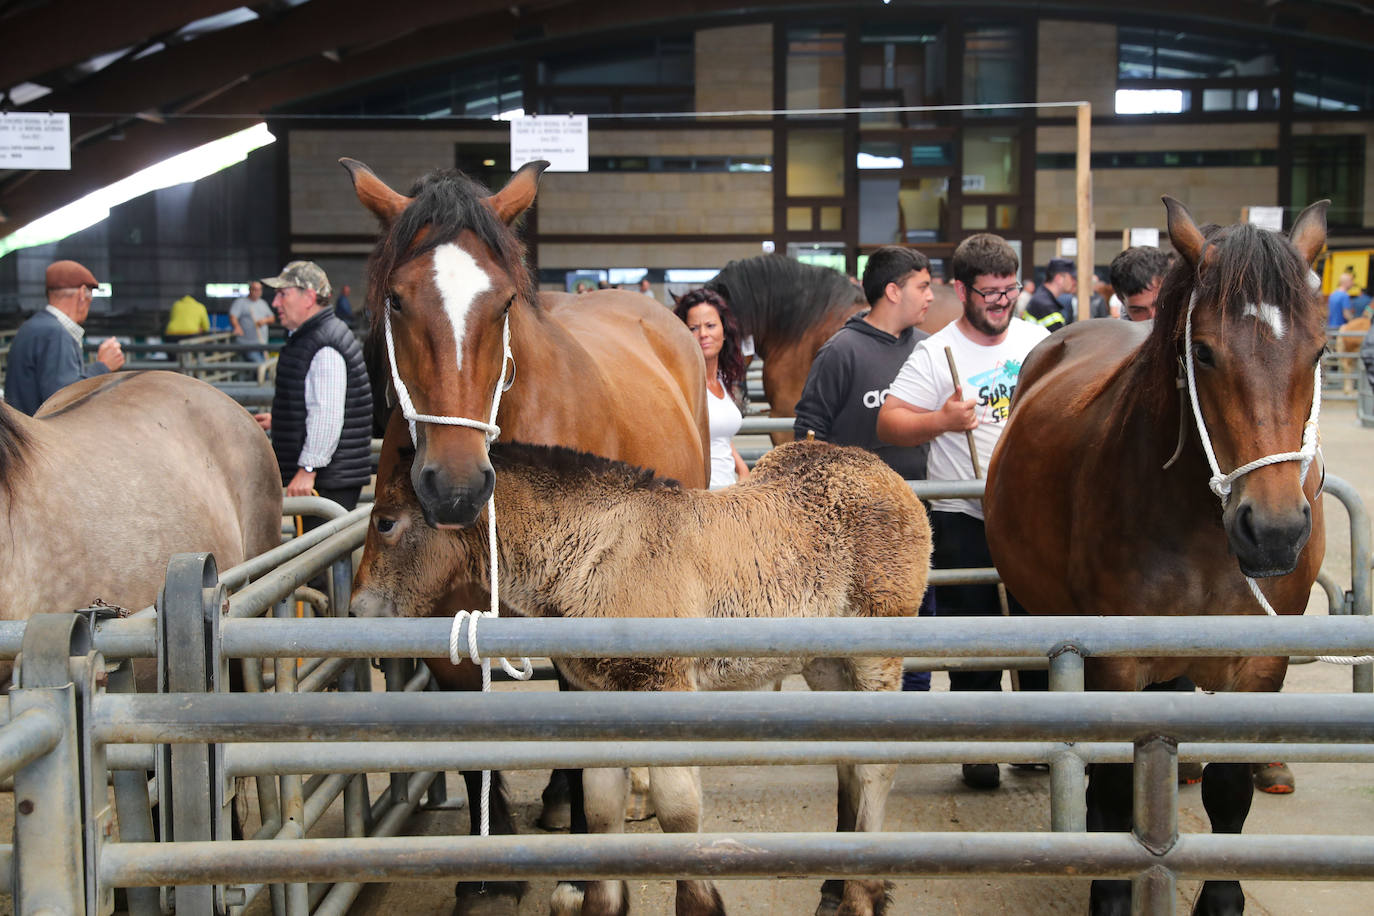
1331,799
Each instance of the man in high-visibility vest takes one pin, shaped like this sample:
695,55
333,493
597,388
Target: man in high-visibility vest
1044,307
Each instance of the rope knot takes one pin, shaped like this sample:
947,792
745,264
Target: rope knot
1221,486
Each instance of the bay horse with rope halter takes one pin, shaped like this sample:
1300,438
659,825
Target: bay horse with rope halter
789,309
1172,468
455,321
817,530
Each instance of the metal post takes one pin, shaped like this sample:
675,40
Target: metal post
1068,784
397,672
132,805
1156,822
292,796
49,852
187,777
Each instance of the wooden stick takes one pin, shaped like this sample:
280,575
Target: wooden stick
958,387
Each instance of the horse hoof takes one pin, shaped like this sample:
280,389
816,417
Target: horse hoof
488,898
1220,898
555,815
1274,778
566,900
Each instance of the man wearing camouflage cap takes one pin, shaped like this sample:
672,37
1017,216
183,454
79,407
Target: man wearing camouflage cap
321,418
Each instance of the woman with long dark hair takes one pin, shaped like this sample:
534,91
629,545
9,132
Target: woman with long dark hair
716,330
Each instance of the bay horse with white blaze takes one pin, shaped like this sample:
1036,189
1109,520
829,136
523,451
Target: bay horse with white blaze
116,474
609,372
1098,498
817,530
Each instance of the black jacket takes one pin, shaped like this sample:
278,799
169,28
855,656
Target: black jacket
351,464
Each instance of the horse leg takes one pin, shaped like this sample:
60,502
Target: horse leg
1109,796
480,898
863,788
603,801
1227,792
676,795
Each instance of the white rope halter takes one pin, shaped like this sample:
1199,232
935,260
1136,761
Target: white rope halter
455,654
1221,483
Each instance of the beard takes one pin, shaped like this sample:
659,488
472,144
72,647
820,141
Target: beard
987,324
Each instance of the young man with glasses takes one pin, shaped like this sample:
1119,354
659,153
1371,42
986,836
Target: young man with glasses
926,405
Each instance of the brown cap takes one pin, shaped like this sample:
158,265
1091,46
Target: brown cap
69,275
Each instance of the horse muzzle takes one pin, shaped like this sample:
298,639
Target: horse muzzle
448,502
1266,542
369,603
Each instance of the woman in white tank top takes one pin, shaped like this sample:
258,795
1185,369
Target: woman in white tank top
712,324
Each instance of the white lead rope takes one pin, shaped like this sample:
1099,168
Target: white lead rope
455,632
1221,483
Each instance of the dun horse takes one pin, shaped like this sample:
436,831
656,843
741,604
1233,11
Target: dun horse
114,476
790,309
608,372
834,530
1098,493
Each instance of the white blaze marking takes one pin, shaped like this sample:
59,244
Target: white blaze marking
1269,314
460,282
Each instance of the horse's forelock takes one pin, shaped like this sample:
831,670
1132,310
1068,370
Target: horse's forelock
445,202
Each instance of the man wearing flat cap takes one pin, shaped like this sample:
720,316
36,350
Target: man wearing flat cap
321,418
1044,307
46,352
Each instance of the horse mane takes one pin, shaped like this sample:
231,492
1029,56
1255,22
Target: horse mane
1242,264
570,463
778,299
14,441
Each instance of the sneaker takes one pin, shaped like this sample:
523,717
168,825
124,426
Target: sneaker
982,775
1189,773
1274,778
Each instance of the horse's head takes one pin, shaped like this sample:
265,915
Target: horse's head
408,567
444,278
1253,346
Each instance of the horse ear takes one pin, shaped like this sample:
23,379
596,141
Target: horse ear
1308,234
515,198
373,193
1183,232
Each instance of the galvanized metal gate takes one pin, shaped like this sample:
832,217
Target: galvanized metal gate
74,729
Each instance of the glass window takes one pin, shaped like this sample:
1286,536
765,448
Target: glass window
656,62
1241,99
1337,82
994,66
900,66
1152,101
798,219
974,218
902,210
993,157
832,219
815,163
815,67
821,255
1334,167
1168,54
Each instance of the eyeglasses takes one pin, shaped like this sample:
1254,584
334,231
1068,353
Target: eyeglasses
997,295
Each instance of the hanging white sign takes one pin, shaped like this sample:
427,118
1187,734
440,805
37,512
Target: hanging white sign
1144,235
35,140
561,139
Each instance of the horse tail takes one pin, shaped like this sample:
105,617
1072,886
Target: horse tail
778,299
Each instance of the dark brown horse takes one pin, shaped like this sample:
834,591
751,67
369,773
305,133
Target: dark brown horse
1099,495
790,309
608,372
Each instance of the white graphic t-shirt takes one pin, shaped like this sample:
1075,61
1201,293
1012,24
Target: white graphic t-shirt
989,377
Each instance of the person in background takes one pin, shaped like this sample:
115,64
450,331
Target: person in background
716,330
250,315
1023,298
45,354
646,289
189,317
321,417
343,306
1044,306
850,375
1338,305
926,405
1135,277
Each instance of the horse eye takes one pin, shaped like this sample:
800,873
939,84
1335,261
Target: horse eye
386,525
509,303
1203,354
393,302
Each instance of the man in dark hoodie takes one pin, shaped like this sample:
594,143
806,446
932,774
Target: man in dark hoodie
851,373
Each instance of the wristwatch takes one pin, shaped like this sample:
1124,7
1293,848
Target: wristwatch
307,468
